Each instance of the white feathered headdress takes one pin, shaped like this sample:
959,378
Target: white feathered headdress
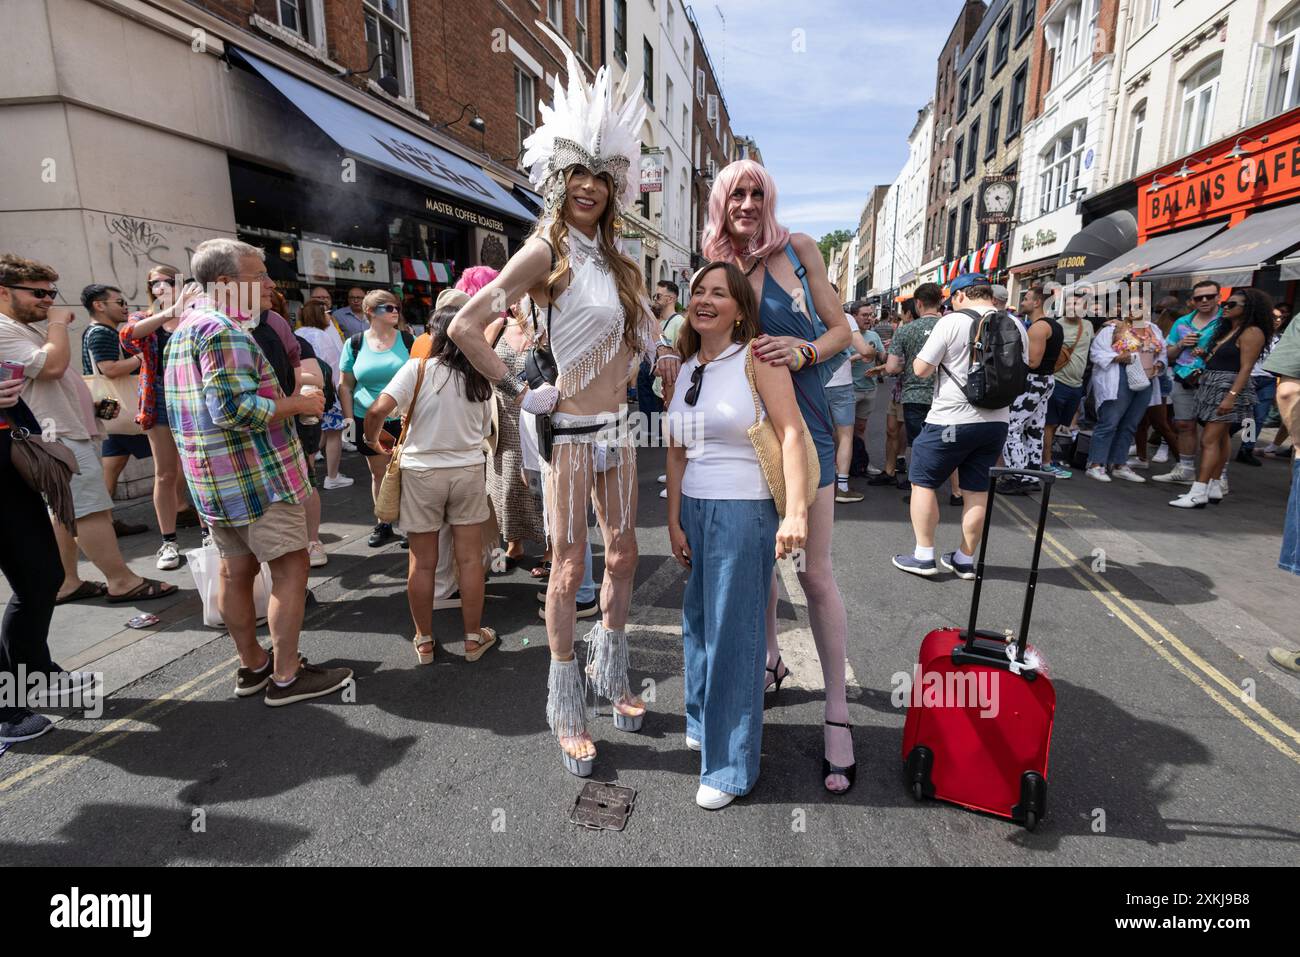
596,127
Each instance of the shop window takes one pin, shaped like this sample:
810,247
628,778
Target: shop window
1199,92
1002,44
555,14
581,16
649,70
620,31
387,38
1284,85
1060,164
1016,113
1136,126
995,126
973,152
525,104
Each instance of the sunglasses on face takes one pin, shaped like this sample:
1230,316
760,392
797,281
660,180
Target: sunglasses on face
1210,298
115,302
1234,304
386,307
50,294
155,283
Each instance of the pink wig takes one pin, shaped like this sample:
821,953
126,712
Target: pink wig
771,235
475,278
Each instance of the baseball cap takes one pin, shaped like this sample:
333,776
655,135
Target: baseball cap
1000,292
967,280
451,297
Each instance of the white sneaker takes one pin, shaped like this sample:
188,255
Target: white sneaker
169,556
663,493
1136,463
316,556
693,744
662,480
1132,449
1098,473
440,603
349,446
1180,473
319,457
1223,484
1127,474
1214,495
711,798
1161,456
339,481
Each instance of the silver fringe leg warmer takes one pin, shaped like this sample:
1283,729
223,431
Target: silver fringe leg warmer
566,705
607,662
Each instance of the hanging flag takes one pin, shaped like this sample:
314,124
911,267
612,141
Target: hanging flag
977,260
415,269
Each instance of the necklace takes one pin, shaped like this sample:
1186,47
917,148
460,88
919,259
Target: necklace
754,265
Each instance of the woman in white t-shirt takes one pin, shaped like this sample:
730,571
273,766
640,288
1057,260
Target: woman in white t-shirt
444,482
723,525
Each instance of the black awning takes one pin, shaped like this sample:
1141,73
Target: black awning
1232,257
1154,252
1100,242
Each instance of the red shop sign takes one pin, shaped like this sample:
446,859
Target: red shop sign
1266,173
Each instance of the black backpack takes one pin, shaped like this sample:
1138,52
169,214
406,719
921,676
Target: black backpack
998,370
358,340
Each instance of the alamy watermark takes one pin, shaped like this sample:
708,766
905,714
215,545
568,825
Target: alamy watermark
77,690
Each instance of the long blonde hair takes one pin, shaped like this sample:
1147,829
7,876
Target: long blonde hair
627,274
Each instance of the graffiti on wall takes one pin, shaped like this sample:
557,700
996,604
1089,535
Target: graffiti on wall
124,248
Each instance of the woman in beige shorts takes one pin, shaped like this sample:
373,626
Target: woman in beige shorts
448,405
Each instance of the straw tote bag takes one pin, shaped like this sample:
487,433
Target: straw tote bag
389,501
767,446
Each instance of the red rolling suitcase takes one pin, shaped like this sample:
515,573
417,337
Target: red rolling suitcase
980,711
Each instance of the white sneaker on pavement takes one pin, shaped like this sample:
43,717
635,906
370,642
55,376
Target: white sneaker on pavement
349,446
662,480
1127,474
1195,497
316,556
663,493
1214,494
1136,463
711,799
1161,456
169,556
1179,473
1223,483
338,481
1098,473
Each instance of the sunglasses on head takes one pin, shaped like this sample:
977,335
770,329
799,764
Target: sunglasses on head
50,294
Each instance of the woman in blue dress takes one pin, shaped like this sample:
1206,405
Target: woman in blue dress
786,270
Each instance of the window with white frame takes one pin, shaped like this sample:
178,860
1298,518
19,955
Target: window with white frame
668,98
388,38
1139,121
581,18
1284,85
1060,164
525,103
555,13
1150,12
699,84
671,18
298,16
1070,35
686,124
1200,90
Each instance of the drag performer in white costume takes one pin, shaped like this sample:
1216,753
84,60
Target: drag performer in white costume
591,300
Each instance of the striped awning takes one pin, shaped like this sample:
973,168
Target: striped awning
419,270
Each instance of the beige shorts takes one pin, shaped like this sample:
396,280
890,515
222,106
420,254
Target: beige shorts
895,411
281,529
432,498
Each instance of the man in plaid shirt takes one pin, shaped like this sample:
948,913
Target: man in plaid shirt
240,455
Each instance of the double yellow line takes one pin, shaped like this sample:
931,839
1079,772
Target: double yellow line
1161,640
111,734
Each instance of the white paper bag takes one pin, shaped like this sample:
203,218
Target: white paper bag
205,564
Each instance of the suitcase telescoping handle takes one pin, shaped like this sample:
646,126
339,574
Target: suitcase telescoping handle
1046,478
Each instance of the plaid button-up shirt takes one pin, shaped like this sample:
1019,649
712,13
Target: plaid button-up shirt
221,393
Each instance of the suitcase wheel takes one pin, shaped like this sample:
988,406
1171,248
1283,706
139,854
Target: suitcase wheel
1033,800
920,762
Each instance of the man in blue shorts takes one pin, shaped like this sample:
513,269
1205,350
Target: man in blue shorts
956,436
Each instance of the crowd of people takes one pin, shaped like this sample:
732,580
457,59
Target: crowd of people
508,427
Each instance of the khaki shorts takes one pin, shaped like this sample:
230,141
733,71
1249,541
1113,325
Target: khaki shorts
864,404
432,498
281,529
895,411
89,494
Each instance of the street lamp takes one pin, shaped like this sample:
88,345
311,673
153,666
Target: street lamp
387,82
477,123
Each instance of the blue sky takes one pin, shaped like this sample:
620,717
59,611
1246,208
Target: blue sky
833,121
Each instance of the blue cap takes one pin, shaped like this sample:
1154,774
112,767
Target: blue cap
967,280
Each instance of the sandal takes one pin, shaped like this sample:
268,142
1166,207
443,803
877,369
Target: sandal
777,679
487,638
147,590
540,571
829,770
85,590
426,657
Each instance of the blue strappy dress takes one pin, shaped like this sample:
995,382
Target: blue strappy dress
778,317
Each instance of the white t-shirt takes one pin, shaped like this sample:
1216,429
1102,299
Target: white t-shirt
328,346
447,429
949,344
720,459
844,374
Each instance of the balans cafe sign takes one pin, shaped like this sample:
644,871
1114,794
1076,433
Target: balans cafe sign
1267,173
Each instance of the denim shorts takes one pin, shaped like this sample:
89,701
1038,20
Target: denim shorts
914,414
970,449
136,446
843,405
1063,403
1290,558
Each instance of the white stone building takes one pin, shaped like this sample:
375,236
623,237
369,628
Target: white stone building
900,223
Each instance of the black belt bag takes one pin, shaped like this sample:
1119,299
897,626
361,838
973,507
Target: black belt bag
546,433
